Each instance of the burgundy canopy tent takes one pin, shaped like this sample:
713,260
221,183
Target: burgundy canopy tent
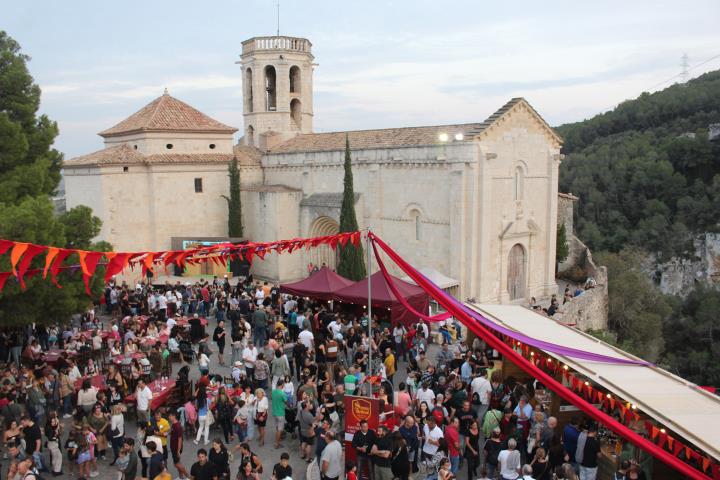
321,285
382,297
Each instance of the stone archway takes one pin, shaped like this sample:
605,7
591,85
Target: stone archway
324,254
516,277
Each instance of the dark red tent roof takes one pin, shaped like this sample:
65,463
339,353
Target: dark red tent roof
321,285
383,297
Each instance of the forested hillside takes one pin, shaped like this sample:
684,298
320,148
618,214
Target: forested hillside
645,172
648,178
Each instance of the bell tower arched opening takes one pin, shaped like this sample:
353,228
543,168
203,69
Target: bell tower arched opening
270,89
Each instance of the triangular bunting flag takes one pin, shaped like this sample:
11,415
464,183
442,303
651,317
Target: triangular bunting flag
677,448
15,255
655,432
5,245
3,278
705,463
57,263
30,252
52,252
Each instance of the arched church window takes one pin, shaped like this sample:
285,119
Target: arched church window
518,184
417,223
248,91
295,79
270,89
296,112
250,136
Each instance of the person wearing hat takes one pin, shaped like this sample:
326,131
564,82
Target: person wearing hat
237,370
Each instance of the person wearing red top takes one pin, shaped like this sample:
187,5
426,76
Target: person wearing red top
176,444
452,436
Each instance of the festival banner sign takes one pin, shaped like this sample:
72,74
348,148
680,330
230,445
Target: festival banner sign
356,410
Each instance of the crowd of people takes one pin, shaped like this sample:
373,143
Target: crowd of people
292,361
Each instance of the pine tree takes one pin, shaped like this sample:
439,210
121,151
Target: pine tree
351,264
29,174
235,228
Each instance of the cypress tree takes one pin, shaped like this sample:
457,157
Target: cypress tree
235,228
351,263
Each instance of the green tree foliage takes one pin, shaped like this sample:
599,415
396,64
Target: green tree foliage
29,174
692,337
351,263
235,228
80,227
641,179
561,250
637,309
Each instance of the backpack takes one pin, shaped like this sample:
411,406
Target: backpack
439,415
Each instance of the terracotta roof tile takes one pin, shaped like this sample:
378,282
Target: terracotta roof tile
125,155
108,156
167,113
394,137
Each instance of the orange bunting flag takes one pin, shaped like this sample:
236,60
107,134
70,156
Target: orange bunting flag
260,252
88,264
51,254
355,238
705,463
655,432
612,403
15,255
147,263
677,448
670,442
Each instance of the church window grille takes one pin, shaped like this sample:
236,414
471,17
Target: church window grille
248,90
518,184
198,185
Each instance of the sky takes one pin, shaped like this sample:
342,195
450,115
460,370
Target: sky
382,64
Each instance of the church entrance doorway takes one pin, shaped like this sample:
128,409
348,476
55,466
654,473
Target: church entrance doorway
323,254
516,272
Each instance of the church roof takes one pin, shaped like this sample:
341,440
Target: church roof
167,113
399,137
126,155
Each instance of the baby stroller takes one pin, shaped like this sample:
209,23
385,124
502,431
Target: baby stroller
187,351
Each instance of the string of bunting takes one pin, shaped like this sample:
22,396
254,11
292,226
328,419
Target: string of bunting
22,255
626,412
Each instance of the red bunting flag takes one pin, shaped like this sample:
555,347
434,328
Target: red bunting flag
30,252
612,403
260,252
661,440
655,432
670,442
355,238
705,463
716,471
88,264
3,278
147,263
57,263
5,246
117,263
677,448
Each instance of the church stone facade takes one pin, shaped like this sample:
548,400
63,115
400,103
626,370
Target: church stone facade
478,202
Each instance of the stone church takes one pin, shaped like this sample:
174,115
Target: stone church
476,202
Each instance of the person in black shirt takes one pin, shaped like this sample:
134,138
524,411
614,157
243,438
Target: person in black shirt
156,463
362,442
220,457
591,452
219,339
33,439
381,454
203,469
283,469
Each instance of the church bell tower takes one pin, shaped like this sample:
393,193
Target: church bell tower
277,88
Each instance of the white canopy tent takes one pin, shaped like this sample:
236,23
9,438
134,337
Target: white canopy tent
674,402
446,283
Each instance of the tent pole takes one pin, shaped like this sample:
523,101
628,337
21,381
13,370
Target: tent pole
369,309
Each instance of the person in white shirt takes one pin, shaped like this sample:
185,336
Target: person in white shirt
74,372
152,303
433,434
509,461
426,395
481,386
143,396
170,323
331,463
249,355
307,338
334,328
259,296
162,304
